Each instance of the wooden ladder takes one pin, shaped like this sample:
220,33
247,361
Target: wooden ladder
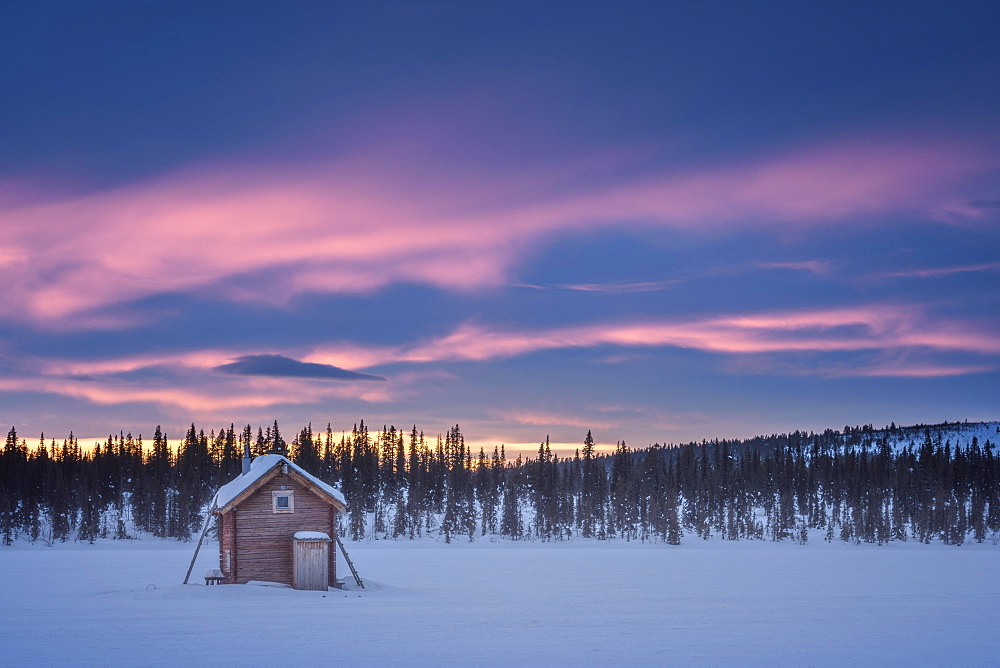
354,571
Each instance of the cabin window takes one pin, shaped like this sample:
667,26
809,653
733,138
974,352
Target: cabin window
283,501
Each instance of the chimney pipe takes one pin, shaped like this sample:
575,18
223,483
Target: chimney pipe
246,459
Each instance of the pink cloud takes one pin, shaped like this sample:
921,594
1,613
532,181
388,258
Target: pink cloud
621,288
196,359
815,185
824,330
921,370
188,382
200,395
903,342
819,267
352,227
868,328
887,363
944,271
887,330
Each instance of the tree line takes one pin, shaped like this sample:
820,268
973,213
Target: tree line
858,485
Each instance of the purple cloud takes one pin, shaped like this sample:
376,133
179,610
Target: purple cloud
286,367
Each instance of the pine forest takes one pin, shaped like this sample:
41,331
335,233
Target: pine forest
861,484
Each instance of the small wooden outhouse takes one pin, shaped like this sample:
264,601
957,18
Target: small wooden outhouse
278,523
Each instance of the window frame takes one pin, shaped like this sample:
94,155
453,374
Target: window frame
289,494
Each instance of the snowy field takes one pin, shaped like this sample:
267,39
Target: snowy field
503,603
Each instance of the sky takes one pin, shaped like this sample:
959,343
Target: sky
661,222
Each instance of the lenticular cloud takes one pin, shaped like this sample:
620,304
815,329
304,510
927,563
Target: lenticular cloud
277,365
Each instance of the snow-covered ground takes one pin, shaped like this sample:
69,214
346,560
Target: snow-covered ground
579,602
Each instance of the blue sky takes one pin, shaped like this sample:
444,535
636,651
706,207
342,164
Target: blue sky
659,221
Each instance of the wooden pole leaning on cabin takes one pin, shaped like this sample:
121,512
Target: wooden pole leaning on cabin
204,530
354,571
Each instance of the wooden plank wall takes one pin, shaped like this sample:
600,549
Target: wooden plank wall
226,531
332,570
264,538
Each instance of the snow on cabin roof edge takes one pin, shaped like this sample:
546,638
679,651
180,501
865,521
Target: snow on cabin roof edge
260,467
311,535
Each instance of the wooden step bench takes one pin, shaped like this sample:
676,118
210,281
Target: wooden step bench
214,576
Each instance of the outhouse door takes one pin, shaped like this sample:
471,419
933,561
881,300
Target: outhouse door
310,560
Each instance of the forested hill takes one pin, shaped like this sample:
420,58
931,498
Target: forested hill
957,434
924,483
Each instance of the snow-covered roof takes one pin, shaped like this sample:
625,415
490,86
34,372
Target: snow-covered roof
311,535
259,468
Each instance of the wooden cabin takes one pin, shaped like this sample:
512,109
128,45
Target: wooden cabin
278,523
